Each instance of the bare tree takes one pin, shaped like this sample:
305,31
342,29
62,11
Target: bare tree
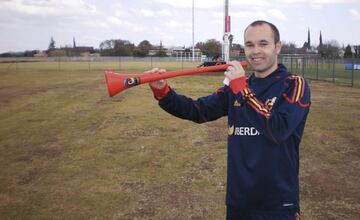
329,49
288,48
210,48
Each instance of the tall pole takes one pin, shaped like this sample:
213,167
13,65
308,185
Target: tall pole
193,34
226,43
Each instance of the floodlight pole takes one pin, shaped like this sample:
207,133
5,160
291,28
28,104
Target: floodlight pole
226,42
193,35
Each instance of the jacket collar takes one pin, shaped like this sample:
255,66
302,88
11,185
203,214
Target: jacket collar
278,73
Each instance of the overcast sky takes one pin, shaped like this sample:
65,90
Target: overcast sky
29,24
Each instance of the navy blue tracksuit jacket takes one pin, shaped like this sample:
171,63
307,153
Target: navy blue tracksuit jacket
265,123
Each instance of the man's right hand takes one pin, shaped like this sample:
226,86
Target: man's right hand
157,84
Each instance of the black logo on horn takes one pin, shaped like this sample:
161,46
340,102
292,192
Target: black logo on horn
129,82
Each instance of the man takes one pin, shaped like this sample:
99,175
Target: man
266,117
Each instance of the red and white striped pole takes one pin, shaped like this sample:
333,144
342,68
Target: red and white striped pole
226,41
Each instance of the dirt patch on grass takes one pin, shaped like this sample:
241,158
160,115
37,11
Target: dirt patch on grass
47,150
217,131
207,163
155,197
141,132
40,152
29,175
7,94
37,160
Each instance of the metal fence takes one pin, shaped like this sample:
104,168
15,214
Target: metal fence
92,63
340,71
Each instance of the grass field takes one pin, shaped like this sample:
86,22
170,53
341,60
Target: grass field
324,70
67,151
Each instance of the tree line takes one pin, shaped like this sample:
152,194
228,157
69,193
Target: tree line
330,49
210,48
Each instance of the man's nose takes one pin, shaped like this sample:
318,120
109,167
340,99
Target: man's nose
256,49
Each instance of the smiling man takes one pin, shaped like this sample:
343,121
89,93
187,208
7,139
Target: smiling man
262,47
266,113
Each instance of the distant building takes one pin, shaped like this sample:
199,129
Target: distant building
176,51
320,40
341,52
307,48
160,51
78,51
41,53
155,52
186,54
308,42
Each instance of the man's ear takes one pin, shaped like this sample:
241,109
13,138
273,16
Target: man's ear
278,47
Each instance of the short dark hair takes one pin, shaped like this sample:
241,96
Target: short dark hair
272,26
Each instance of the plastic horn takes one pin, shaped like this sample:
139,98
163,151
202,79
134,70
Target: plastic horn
116,82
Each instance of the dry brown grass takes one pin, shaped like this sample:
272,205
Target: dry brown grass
67,151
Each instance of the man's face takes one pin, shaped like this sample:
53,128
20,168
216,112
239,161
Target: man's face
261,49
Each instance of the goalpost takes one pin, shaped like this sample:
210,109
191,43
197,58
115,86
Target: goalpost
189,56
